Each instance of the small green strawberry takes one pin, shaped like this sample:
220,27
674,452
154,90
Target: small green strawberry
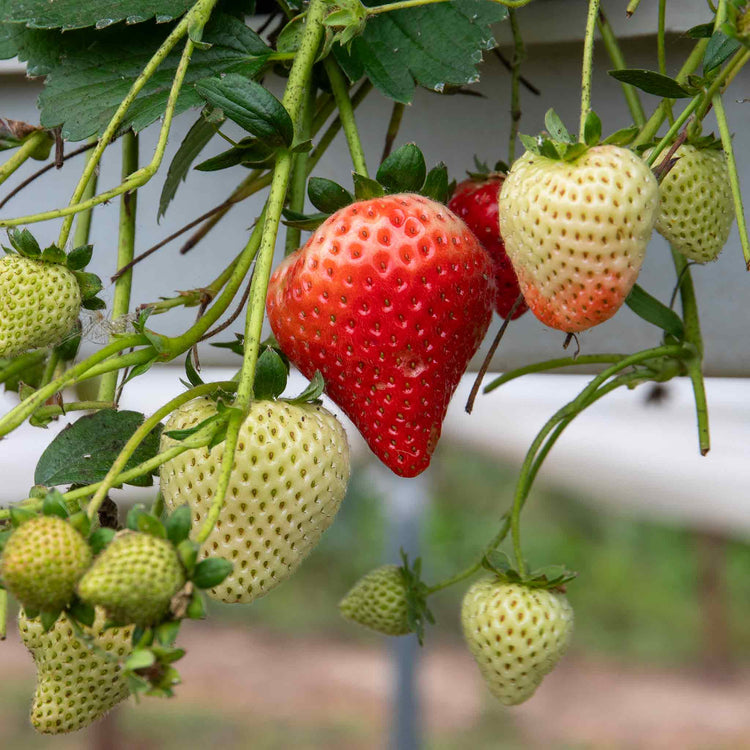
517,634
379,601
697,210
42,562
134,579
77,681
576,232
290,476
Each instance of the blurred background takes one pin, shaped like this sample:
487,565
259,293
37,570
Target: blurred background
659,536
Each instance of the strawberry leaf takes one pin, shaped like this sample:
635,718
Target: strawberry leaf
652,83
404,171
719,48
652,311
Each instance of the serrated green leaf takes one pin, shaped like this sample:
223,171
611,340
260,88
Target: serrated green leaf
719,48
11,35
404,171
90,72
100,539
328,196
556,128
141,658
76,14
399,50
592,129
196,139
178,525
270,375
53,254
365,188
25,242
653,311
211,572
251,106
84,452
651,82
79,258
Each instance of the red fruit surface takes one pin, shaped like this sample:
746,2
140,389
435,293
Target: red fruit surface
389,299
475,201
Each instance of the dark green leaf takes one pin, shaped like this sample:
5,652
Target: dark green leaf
49,619
190,371
83,613
652,83
574,150
592,129
89,283
328,196
141,658
556,128
237,346
178,525
54,505
291,35
251,106
139,370
622,137
11,35
79,258
702,31
94,303
189,431
25,242
76,14
312,392
404,171
211,572
53,254
84,452
250,153
100,539
435,47
89,72
365,188
651,310
270,375
552,150
436,184
719,48
31,614
308,223
4,536
202,131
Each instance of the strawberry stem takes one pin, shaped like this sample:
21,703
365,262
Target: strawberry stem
24,152
125,252
588,59
519,54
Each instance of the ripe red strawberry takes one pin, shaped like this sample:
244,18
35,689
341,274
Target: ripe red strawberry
389,299
475,201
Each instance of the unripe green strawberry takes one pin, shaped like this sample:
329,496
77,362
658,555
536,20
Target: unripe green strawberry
517,635
134,579
378,601
42,562
39,304
289,478
77,682
576,232
696,211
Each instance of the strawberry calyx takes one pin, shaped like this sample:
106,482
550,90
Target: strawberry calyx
416,593
404,171
549,577
24,243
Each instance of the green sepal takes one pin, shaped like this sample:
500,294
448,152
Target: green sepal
89,283
80,257
365,188
592,129
139,519
404,171
188,554
178,525
196,609
100,539
81,523
237,346
166,632
4,536
140,658
436,184
142,637
168,654
54,505
190,431
312,392
556,128
24,243
31,613
81,612
53,254
653,311
249,152
192,375
141,369
94,303
271,373
622,137
49,619
68,350
328,196
417,611
211,572
548,577
297,220
20,515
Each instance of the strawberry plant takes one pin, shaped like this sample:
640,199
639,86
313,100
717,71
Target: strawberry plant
381,307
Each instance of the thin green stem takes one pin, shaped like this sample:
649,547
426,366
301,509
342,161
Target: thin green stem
734,177
661,53
83,222
554,364
725,77
142,433
125,252
588,60
45,412
417,3
24,152
519,54
673,130
394,125
296,88
630,93
346,113
632,7
50,367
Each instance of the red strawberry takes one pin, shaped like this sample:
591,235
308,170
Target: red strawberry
389,299
475,201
